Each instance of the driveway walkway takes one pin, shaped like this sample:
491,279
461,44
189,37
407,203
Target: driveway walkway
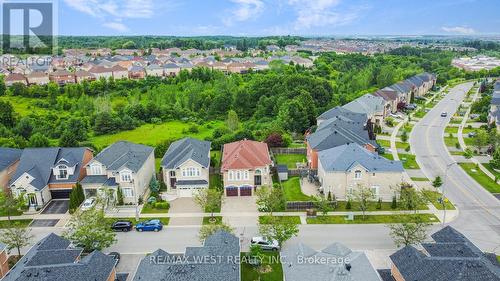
185,205
234,205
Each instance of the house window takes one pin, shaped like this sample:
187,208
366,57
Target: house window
63,172
245,175
357,174
375,191
238,175
126,176
172,173
96,169
128,192
191,172
231,175
350,191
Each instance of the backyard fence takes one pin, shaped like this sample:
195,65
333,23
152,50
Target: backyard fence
288,150
304,205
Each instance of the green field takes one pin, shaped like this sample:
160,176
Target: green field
290,160
24,106
291,189
481,177
358,219
270,269
151,134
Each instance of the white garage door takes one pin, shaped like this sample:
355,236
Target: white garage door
188,192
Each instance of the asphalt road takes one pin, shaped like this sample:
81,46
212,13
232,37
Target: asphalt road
479,211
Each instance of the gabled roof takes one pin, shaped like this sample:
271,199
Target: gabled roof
184,149
9,156
15,77
346,157
452,257
124,154
245,154
53,259
178,267
340,111
38,162
495,98
387,94
368,104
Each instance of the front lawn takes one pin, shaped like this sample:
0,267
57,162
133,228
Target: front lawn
384,143
419,179
388,156
433,197
270,269
155,208
287,219
369,219
480,177
20,223
408,161
493,171
217,220
3,213
451,142
291,189
290,160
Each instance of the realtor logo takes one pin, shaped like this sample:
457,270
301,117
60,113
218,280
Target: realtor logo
28,26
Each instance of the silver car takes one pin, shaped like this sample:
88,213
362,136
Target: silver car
265,244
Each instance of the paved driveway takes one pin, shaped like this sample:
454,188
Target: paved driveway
246,208
43,223
56,207
184,205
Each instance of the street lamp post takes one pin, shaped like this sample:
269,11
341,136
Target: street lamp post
443,189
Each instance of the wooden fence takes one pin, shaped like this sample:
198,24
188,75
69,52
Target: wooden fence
288,150
304,205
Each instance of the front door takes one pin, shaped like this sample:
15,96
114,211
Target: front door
172,182
32,199
258,180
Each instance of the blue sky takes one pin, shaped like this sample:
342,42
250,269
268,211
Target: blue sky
278,17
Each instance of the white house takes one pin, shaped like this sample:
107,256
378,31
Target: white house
123,165
185,166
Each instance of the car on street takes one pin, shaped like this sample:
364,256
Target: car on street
115,256
123,226
150,225
444,114
88,203
265,244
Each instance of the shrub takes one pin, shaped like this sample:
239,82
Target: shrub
162,205
348,205
394,203
379,204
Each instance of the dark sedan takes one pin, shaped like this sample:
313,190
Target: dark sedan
124,226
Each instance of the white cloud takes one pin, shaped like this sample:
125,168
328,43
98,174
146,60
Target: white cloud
245,10
322,13
114,8
458,29
118,26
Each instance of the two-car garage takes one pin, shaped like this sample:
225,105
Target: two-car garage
60,193
188,188
245,190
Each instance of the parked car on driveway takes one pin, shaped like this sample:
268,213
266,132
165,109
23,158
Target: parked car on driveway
265,244
115,256
124,226
150,225
411,106
88,203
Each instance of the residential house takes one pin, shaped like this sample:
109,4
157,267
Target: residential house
50,173
185,166
246,164
374,107
38,78
344,128
391,97
406,90
222,248
123,165
494,112
62,77
101,72
54,258
9,159
154,70
171,69
237,67
119,72
220,66
4,265
451,257
82,75
127,64
343,169
334,263
13,78
136,72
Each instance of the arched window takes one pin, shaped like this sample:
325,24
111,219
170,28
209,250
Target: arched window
63,172
125,176
357,174
95,169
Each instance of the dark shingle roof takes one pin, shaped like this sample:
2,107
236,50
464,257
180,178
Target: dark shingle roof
124,154
8,156
184,149
340,111
452,257
222,245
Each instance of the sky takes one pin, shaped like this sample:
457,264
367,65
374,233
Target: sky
278,17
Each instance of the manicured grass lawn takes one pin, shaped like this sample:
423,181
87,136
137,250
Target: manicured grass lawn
419,179
388,156
450,141
384,143
433,197
3,213
218,220
149,209
151,134
419,113
452,130
457,153
469,141
456,120
409,161
481,177
270,262
297,144
291,189
488,166
215,181
21,223
358,219
290,160
289,219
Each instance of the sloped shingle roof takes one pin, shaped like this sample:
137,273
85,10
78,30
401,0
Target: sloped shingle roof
184,149
124,154
245,154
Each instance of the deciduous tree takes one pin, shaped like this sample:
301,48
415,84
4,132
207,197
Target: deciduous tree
16,237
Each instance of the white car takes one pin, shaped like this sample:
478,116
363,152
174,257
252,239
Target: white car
88,203
265,244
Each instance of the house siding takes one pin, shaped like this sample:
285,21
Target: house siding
6,175
204,173
266,177
4,266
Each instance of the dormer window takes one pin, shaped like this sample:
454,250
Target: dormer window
62,172
125,176
357,174
95,169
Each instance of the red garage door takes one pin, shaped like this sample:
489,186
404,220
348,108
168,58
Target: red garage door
231,191
246,191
